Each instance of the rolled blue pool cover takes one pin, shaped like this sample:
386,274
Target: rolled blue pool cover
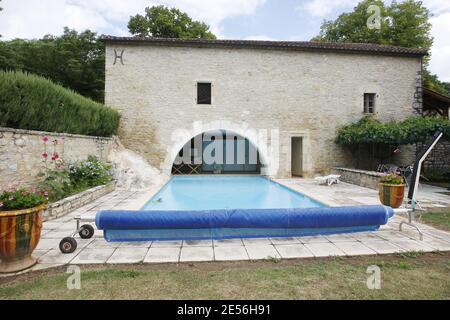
309,218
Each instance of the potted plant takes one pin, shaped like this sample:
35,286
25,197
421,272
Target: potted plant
392,190
20,228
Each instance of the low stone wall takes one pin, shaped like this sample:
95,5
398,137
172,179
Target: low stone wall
67,205
21,153
439,158
368,179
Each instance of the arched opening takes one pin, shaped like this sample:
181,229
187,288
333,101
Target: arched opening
217,152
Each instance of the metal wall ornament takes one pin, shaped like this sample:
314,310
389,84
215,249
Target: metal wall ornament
118,56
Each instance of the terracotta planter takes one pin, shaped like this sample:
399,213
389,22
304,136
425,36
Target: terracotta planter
391,194
20,232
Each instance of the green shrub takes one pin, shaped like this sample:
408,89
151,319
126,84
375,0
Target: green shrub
61,180
90,173
13,199
392,178
57,183
412,130
35,103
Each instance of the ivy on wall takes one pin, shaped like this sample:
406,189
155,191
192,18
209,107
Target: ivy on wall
369,130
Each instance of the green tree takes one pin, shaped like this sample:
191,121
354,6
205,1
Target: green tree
446,85
404,24
432,82
74,60
164,22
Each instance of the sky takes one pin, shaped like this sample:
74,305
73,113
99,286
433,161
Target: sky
229,19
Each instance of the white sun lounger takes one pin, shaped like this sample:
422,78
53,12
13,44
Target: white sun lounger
329,180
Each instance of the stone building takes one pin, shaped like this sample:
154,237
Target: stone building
284,99
436,105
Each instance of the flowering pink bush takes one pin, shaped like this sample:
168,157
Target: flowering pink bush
61,179
54,155
55,176
18,199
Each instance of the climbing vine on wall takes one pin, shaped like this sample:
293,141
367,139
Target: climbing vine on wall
369,130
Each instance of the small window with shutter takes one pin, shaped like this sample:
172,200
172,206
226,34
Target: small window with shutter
203,92
369,102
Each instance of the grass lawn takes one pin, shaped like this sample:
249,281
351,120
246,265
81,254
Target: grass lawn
407,276
439,219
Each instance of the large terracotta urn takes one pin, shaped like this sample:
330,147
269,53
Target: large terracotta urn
20,231
391,194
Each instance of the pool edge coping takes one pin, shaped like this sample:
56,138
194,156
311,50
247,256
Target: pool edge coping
320,199
323,202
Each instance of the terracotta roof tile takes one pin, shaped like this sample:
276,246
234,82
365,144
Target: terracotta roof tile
280,45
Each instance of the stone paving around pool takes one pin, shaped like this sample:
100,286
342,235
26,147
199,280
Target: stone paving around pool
345,194
97,251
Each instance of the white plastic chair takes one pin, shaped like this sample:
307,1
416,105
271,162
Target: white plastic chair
329,180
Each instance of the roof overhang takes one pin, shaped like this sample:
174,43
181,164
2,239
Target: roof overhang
434,101
359,48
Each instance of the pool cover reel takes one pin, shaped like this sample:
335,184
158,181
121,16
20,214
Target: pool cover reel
238,223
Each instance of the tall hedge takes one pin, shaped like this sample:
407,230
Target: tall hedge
34,103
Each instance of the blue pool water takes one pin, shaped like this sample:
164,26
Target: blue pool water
228,207
226,192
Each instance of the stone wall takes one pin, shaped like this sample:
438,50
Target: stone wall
439,158
21,153
69,204
297,93
368,179
369,157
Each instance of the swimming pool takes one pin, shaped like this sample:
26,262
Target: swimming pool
226,192
227,207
